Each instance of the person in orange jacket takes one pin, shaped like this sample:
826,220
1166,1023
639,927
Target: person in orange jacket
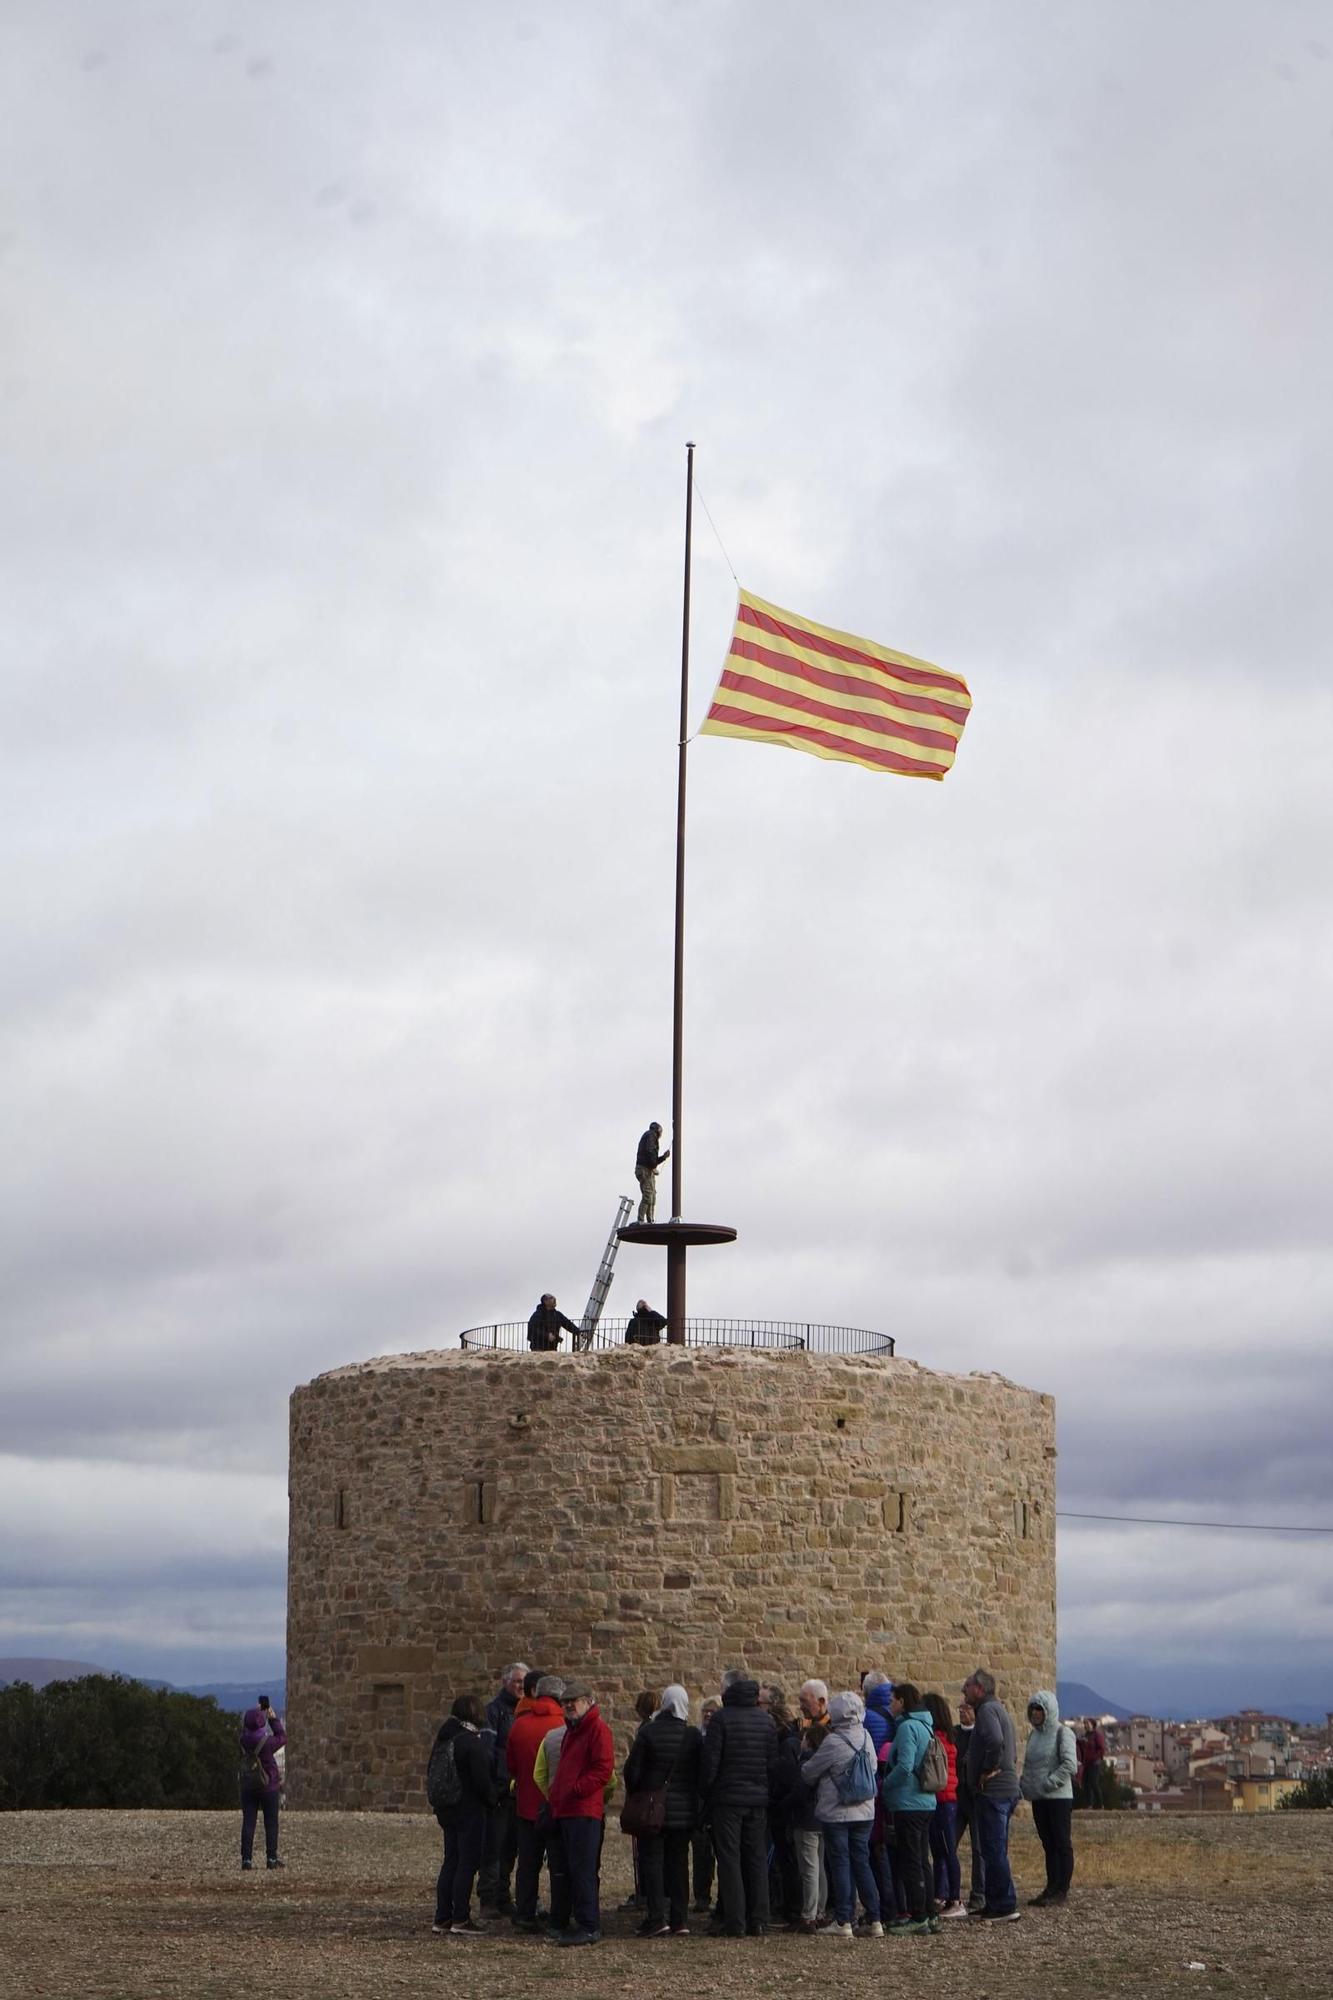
533,1718
587,1762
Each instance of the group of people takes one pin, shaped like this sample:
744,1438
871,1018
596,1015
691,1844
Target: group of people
840,1817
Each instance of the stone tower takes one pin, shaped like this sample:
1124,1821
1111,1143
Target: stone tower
643,1515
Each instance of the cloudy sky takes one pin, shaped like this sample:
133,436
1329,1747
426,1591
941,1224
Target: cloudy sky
348,359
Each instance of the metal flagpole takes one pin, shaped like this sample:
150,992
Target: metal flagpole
677,1235
676,1249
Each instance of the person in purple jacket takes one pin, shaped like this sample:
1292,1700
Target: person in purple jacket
262,1734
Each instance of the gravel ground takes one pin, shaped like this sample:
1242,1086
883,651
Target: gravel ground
124,1906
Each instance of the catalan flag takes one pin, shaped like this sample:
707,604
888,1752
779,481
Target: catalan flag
788,680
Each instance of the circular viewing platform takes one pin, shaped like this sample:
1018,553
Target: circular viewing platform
793,1335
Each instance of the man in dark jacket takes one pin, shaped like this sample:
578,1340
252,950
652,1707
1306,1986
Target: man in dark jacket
544,1324
992,1776
736,1774
501,1844
645,1328
646,1162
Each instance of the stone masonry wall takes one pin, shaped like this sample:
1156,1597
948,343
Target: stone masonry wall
638,1516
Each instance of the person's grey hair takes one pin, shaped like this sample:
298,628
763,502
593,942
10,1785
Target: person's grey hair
819,1688
985,1681
876,1678
518,1667
730,1676
552,1685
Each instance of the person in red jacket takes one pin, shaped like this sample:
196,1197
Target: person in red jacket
944,1824
587,1760
534,1717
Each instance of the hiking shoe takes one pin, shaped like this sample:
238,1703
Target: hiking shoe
1039,1902
650,1929
954,1910
247,1864
873,1929
468,1929
932,1925
1057,1899
1002,1916
833,1929
910,1927
439,1930
273,1862
680,1930
581,1937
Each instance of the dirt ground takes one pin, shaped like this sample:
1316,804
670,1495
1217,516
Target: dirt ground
124,1906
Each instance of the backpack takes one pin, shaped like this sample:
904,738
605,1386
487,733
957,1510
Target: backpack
444,1787
854,1783
932,1773
254,1778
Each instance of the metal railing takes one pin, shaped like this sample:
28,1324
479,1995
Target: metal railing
788,1334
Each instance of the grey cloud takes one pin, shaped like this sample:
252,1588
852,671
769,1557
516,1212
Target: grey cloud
342,521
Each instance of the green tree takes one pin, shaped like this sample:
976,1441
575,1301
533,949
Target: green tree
1314,1794
106,1741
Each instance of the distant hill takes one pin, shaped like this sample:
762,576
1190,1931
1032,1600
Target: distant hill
1076,1698
39,1672
235,1695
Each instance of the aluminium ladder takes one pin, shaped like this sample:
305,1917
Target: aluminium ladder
601,1284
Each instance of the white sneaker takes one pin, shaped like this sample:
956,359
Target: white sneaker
873,1930
955,1910
833,1929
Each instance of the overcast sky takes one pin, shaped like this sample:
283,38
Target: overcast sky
348,358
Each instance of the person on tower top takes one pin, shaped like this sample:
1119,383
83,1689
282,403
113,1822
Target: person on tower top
646,1162
545,1323
645,1328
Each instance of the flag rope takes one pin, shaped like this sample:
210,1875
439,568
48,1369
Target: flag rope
721,544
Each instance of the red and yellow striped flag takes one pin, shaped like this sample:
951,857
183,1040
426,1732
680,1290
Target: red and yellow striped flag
788,680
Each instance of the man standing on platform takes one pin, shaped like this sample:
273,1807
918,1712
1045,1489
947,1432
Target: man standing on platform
646,1163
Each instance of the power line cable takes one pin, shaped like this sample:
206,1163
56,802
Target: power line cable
1154,1521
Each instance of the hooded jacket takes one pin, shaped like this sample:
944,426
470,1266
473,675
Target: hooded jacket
843,1742
878,1720
740,1752
666,1753
911,1740
532,1720
1051,1757
474,1763
261,1735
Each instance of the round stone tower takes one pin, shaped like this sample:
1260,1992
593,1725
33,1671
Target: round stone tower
643,1515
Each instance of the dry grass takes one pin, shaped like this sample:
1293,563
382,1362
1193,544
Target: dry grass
152,1906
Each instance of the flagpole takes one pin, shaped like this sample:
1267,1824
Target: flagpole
676,1250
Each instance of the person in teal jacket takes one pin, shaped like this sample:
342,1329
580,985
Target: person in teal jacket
1049,1764
911,1809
